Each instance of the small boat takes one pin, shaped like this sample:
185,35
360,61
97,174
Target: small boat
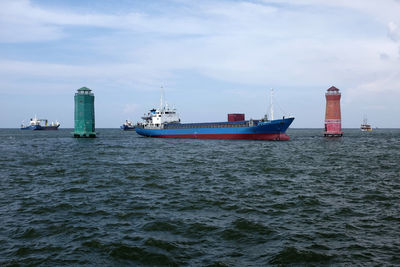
127,126
35,124
365,126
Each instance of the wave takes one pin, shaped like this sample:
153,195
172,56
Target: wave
292,255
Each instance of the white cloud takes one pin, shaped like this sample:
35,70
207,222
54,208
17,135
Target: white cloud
22,11
380,10
23,22
118,75
394,31
238,42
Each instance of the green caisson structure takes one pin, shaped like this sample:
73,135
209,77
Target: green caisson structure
84,113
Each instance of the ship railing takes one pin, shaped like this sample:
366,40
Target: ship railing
332,93
210,125
152,126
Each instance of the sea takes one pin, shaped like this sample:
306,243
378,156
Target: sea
126,200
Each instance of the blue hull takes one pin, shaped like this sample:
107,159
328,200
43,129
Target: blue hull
269,130
127,128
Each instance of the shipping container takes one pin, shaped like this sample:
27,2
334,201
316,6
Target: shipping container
236,117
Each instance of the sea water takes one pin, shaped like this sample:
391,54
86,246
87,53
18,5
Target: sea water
122,199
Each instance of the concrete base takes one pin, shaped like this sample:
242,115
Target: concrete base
333,134
84,135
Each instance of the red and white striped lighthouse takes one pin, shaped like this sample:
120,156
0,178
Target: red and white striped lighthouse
333,118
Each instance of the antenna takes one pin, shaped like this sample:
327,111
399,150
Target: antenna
271,111
162,98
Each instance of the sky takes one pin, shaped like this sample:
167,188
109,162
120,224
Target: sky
211,58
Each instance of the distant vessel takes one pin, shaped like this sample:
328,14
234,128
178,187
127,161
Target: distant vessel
165,122
127,126
365,126
35,124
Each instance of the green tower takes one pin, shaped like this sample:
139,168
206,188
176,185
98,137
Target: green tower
84,113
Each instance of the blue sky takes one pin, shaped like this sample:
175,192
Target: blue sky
212,58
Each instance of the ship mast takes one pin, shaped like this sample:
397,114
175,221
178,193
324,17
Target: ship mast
162,98
271,111
365,120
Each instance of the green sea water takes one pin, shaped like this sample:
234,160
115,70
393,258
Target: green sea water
125,200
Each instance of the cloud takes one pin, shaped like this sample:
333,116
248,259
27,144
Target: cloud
381,11
384,56
309,42
23,22
15,73
394,31
24,12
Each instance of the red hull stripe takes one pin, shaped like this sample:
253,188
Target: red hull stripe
263,136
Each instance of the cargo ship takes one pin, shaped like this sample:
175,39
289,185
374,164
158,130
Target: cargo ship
164,122
35,124
127,126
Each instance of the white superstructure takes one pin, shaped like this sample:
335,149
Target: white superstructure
156,118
